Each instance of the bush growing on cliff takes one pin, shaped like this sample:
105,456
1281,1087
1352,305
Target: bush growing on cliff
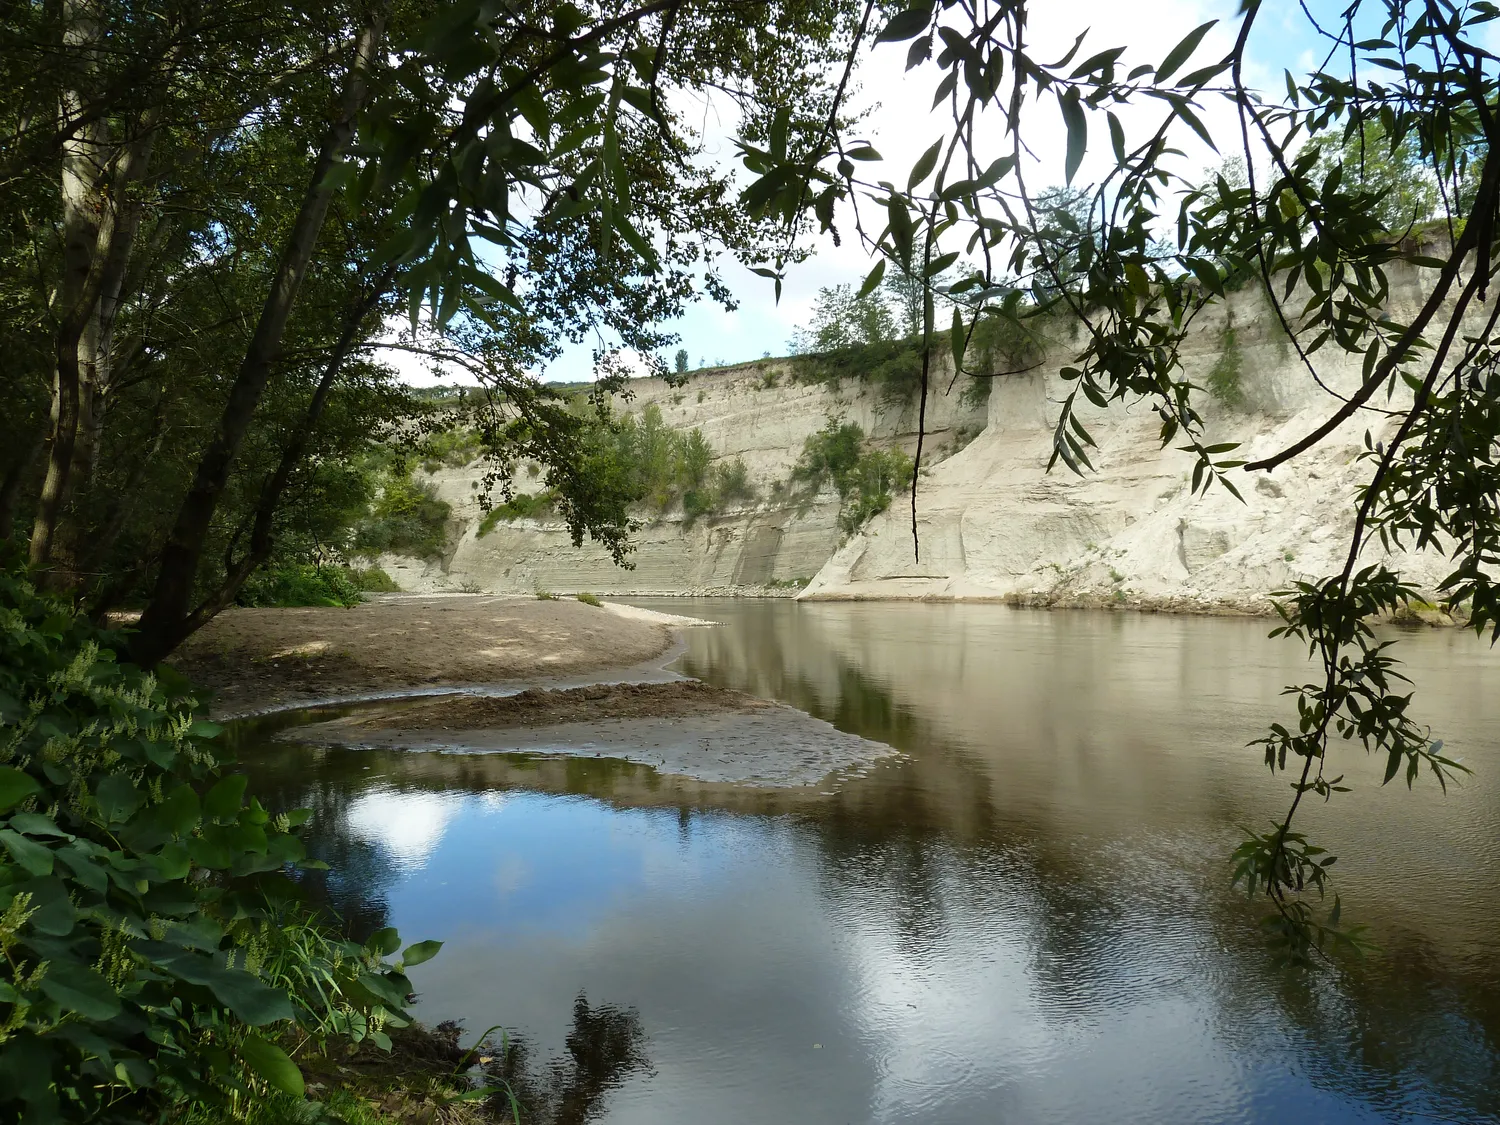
521,505
152,952
864,478
406,516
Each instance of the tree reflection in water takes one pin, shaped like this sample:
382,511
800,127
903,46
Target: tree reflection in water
604,1048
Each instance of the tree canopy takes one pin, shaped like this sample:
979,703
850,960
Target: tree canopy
212,213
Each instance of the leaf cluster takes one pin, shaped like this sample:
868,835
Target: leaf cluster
152,951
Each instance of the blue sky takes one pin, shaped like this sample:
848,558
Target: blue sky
899,127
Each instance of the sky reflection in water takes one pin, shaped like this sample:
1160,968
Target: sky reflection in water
941,943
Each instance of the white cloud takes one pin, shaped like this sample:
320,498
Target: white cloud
408,825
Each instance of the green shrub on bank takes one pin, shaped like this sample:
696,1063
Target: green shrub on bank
306,585
373,580
588,599
152,953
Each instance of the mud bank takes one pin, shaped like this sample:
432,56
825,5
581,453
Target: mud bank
683,728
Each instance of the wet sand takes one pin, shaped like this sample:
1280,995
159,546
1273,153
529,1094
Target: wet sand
685,728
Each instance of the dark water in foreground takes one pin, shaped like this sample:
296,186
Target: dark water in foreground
1026,919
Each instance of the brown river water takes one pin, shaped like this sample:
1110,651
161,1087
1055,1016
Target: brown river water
1025,917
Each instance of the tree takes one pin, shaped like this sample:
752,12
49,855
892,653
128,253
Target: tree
842,318
211,214
680,363
1402,194
1406,83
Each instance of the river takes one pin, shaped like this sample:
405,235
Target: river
1025,918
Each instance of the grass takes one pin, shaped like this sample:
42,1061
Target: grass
588,599
545,596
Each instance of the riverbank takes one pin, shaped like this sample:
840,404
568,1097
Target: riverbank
256,660
685,728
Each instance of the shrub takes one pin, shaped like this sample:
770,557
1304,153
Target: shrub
864,479
152,953
374,580
588,599
406,518
305,585
521,505
1224,376
452,448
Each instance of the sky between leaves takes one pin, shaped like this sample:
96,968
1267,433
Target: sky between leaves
900,126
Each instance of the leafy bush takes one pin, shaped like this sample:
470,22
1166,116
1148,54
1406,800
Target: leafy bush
374,580
306,585
152,951
453,448
522,505
864,479
406,518
588,599
1224,376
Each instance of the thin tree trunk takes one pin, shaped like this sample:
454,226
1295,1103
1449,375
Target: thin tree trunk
95,367
166,620
83,163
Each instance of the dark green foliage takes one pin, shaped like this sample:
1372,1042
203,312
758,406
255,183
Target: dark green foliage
373,580
406,517
305,585
152,952
451,448
864,479
521,505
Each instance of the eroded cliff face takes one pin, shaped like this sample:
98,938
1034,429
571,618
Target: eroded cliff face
992,523
756,412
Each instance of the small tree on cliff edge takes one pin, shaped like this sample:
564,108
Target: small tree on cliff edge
1408,82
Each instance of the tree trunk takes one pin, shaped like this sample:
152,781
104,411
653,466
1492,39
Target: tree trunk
83,164
168,618
261,539
101,213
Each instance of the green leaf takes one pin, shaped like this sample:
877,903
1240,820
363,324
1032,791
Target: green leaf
420,952
245,995
873,279
223,801
1116,137
80,989
1078,132
15,786
32,856
1180,53
118,798
958,340
383,990
924,165
905,25
273,1064
384,942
